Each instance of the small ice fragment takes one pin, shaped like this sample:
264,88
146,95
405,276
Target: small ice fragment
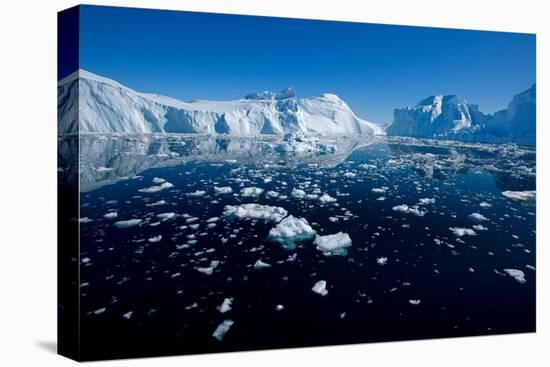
459,232
99,311
85,220
478,217
223,190
166,216
158,180
127,223
197,193
225,306
518,275
153,189
414,302
298,193
326,198
251,192
426,201
382,260
255,211
110,215
128,315
259,264
280,307
222,329
320,288
155,239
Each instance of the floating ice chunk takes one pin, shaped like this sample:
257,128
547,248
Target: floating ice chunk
222,329
320,288
485,204
153,189
255,211
426,201
459,232
350,174
99,311
518,275
379,190
404,208
223,190
212,220
479,227
157,203
85,220
251,192
326,198
197,193
155,239
414,302
110,215
520,195
382,260
272,194
128,315
158,180
127,223
280,307
166,216
298,193
86,260
333,244
225,306
259,264
478,217
208,270
292,229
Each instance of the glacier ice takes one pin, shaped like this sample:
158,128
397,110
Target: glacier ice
91,103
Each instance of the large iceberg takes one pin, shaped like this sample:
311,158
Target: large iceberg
89,103
452,117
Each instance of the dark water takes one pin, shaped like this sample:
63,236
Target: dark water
460,282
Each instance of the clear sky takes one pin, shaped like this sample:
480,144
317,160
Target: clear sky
374,68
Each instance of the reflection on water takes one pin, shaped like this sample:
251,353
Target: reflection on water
412,239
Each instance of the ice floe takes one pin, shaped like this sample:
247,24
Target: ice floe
197,193
251,192
223,190
156,188
225,306
414,302
333,244
259,264
518,275
382,260
320,288
478,217
222,329
291,229
459,232
520,195
255,211
127,223
326,198
404,208
166,216
110,215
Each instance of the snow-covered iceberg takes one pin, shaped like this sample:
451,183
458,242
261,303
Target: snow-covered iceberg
89,103
452,117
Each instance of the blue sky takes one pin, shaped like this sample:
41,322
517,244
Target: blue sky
374,68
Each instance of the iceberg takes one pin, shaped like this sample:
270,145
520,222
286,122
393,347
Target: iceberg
255,211
90,103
